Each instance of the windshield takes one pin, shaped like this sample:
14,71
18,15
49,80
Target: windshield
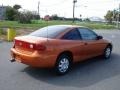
50,31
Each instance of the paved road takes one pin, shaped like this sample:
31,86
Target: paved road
96,74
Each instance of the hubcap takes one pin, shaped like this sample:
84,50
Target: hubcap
63,65
107,52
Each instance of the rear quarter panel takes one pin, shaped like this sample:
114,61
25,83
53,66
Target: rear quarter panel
59,46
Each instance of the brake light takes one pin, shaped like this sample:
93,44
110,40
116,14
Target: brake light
30,45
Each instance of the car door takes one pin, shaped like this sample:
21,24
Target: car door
92,46
75,44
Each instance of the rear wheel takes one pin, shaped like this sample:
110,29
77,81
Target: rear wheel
63,64
107,52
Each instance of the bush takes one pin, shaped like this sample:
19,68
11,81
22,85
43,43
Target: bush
35,16
25,17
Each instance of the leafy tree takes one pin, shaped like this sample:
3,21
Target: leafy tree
25,17
13,13
54,17
16,7
116,15
35,15
112,16
10,13
109,16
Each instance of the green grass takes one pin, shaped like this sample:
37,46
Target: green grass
38,24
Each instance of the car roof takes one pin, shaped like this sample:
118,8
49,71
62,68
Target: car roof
68,26
53,31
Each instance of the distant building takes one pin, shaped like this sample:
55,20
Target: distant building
2,12
47,18
96,19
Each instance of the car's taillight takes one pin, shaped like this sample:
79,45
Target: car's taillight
30,45
38,47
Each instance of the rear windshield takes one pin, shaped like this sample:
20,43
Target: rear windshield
50,31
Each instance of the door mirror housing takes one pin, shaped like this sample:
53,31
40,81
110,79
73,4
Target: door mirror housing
99,37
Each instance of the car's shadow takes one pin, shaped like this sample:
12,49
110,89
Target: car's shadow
82,75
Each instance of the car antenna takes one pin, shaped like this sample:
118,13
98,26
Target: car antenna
47,26
47,30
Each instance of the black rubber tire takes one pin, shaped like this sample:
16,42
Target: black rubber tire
104,55
57,70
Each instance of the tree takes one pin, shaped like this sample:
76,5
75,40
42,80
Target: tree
116,12
10,13
112,16
109,16
25,17
16,7
35,15
54,17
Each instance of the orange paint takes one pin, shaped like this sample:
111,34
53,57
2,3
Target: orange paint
46,58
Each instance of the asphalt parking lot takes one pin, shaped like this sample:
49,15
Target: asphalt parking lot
95,74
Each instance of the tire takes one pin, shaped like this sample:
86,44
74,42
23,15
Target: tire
107,52
63,64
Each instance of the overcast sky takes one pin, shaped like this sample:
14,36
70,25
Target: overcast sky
87,8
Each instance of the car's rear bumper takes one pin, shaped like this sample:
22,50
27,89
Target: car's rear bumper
35,59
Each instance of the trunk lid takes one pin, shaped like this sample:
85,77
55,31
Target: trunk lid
28,44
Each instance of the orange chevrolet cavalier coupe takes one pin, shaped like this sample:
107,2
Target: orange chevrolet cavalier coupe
59,46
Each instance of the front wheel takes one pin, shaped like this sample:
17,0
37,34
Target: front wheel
63,64
107,52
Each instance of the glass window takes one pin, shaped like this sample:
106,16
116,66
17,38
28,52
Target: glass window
72,35
50,31
87,34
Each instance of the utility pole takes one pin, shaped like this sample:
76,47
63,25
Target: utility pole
74,1
38,7
118,16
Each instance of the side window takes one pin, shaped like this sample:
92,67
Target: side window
72,35
87,34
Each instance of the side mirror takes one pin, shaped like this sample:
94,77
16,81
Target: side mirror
99,37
